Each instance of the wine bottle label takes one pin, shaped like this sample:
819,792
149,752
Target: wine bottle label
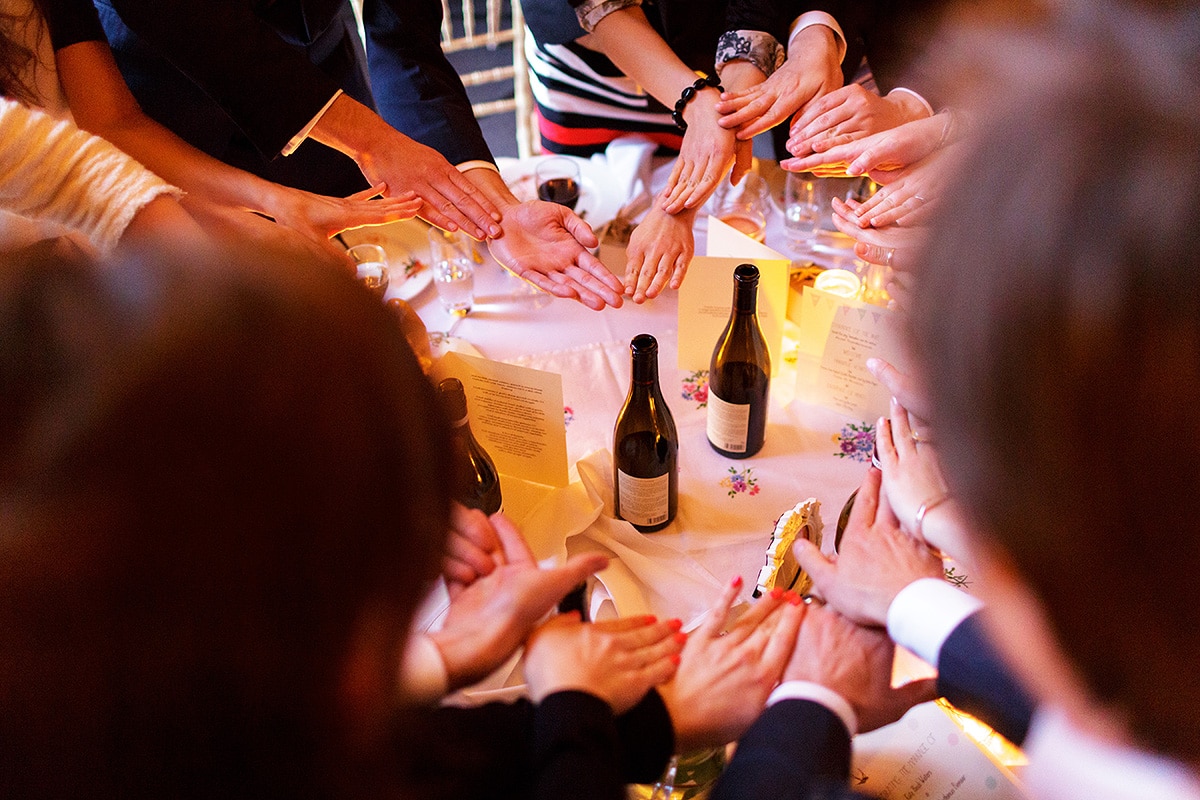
644,501
728,424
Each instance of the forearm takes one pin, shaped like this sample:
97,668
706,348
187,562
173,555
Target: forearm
628,40
352,128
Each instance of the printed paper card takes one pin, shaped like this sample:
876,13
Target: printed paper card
516,414
926,755
844,384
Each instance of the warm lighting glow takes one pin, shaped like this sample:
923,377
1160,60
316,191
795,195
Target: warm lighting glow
841,282
1001,749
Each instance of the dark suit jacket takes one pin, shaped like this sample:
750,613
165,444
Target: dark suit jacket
568,746
239,78
799,749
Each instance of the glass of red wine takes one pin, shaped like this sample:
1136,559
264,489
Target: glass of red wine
558,181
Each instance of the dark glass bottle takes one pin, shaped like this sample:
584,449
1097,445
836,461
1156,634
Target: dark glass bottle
645,446
739,375
478,482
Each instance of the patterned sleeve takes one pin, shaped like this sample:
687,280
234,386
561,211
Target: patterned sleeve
759,48
590,12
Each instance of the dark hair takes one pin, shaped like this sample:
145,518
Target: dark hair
1057,325
15,59
209,474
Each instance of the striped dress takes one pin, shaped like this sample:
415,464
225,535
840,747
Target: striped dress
584,101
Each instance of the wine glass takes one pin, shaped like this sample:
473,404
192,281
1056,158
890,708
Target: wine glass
558,181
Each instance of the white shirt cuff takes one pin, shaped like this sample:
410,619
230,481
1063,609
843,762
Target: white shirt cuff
924,614
423,676
928,108
810,18
299,138
806,690
477,164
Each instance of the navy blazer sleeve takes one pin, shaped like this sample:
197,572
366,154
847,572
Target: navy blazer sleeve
973,677
264,83
416,89
796,749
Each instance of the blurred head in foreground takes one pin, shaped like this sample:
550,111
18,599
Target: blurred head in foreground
1057,329
220,500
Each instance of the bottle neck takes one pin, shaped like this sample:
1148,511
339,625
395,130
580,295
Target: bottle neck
645,369
745,297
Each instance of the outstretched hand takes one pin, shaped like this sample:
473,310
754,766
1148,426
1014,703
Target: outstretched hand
855,662
875,560
617,661
489,618
725,676
659,252
547,245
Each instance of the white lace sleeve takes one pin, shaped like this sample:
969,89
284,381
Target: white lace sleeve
52,170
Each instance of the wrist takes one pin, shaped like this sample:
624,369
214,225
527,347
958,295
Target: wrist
487,179
703,107
910,105
688,95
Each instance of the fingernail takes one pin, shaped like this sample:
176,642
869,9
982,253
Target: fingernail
794,598
873,364
675,659
776,593
681,638
895,402
737,581
674,624
649,619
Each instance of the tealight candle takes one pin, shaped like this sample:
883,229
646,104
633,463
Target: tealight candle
841,282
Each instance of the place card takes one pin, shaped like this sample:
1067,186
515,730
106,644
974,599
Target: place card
836,337
927,755
516,414
706,297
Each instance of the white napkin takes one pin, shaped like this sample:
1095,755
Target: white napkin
627,169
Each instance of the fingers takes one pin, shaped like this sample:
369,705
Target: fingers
902,433
676,184
582,232
718,615
374,191
893,379
743,160
822,571
782,640
464,551
866,503
511,541
681,268
759,610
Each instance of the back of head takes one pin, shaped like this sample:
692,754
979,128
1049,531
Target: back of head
212,475
1058,326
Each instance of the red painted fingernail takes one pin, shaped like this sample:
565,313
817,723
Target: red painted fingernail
675,659
674,624
681,638
649,619
776,593
737,581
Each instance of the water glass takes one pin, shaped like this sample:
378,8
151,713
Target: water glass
743,206
370,266
801,210
453,271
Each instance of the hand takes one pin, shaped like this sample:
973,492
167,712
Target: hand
547,245
473,548
385,155
491,617
847,114
903,387
707,154
906,196
812,71
856,663
875,560
617,661
320,217
724,677
911,473
893,246
660,249
878,153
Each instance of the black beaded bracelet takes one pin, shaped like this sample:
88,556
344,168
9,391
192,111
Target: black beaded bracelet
688,94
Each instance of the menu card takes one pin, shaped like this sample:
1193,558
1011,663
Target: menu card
706,297
928,756
516,414
837,336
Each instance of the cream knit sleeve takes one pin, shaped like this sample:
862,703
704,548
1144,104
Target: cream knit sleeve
52,170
